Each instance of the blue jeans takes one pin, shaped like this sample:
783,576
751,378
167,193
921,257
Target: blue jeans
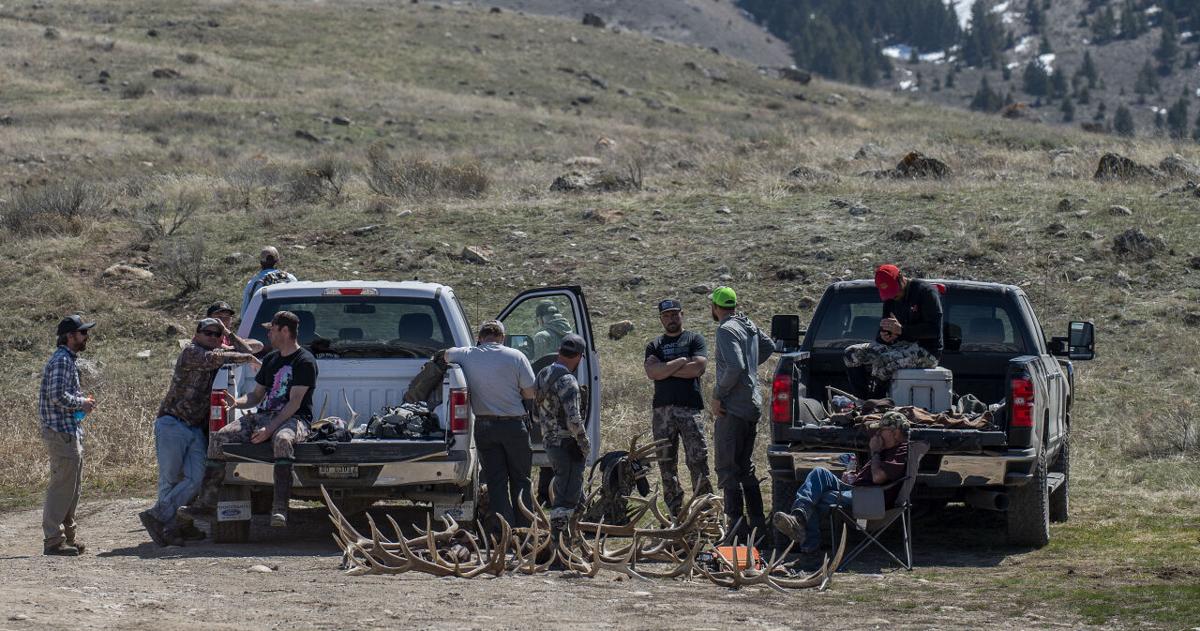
180,449
821,491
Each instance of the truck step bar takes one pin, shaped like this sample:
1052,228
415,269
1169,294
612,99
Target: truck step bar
1055,480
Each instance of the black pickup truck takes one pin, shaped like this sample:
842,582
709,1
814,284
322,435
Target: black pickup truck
996,350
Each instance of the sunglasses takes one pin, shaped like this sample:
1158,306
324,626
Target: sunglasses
83,332
211,333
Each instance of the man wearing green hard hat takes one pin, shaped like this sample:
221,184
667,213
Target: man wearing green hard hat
737,405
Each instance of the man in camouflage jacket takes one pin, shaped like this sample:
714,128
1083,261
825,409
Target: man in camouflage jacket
563,429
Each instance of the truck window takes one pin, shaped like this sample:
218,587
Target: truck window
986,324
362,326
849,320
537,325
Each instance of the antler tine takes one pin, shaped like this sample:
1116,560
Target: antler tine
353,414
837,562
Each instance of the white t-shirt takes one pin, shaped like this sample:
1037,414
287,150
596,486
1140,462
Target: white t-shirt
495,375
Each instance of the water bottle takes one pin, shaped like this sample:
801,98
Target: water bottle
79,414
849,461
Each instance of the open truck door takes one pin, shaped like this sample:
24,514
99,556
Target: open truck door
535,322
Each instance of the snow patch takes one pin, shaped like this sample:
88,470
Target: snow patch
906,84
1024,45
962,8
1047,61
904,52
1154,9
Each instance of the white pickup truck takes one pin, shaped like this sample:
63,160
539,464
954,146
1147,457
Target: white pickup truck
370,340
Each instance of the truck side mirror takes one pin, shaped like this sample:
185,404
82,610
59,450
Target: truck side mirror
786,330
1081,341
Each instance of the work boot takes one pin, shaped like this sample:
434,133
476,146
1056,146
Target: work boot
153,527
283,492
790,526
754,507
61,550
189,532
205,503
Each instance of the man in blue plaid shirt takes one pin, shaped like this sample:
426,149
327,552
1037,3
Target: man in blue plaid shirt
62,406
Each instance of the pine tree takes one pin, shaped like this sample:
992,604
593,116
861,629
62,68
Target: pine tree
983,40
1101,112
1058,83
1068,110
986,99
950,78
1006,73
1089,69
1035,82
1159,121
1168,44
1131,21
1084,97
1196,130
1044,46
1147,80
1123,122
1177,119
1033,16
1104,26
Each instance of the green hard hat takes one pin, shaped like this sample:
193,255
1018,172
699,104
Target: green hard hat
723,297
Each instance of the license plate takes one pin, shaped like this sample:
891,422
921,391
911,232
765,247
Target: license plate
337,471
460,512
238,510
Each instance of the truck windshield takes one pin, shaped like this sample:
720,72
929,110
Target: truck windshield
362,326
983,321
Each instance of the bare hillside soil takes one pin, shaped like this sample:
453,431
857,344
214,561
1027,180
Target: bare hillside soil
125,581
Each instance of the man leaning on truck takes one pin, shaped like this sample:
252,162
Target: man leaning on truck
501,383
284,387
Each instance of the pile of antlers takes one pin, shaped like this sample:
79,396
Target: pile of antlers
683,547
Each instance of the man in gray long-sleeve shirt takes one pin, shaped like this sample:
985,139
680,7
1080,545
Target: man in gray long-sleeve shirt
741,347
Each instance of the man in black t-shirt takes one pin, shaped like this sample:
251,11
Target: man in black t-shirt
283,393
675,361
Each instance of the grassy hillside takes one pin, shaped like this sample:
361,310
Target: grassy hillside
241,129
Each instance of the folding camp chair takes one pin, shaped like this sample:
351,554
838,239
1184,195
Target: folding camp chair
869,516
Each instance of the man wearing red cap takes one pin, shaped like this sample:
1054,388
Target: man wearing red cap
910,333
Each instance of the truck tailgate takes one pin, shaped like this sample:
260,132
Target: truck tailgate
367,451
852,439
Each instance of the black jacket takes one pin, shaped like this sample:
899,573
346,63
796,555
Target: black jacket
920,314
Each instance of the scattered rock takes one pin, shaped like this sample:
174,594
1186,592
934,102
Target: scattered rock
1056,229
1124,277
365,230
918,165
151,32
127,272
838,202
811,174
911,233
603,215
806,302
404,213
870,151
261,569
1064,205
834,99
1117,167
1120,211
859,210
803,77
477,254
16,617
1134,244
790,273
174,330
233,258
519,234
724,210
583,161
1194,262
305,135
142,354
1088,235
576,182
591,19
653,104
585,99
51,33
165,73
340,120
620,329
605,144
6,120
1191,318
1175,165
702,288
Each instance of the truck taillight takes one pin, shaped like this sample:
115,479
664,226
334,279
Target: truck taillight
1022,402
217,412
460,411
781,399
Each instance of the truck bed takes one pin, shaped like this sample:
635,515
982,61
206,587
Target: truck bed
940,439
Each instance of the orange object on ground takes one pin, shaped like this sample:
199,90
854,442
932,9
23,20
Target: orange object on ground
745,556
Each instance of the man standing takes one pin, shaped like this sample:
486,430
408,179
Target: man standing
268,259
910,333
501,382
224,313
179,431
553,327
563,429
284,388
675,361
887,462
741,347
62,407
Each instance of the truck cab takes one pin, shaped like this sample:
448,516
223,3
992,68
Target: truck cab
995,349
370,340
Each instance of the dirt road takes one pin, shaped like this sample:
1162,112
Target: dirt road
125,581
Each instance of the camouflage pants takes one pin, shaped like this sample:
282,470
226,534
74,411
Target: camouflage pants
283,442
886,360
674,422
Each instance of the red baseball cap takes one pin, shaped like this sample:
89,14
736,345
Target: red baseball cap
887,281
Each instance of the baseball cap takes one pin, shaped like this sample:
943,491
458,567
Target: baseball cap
572,344
670,304
218,307
73,323
545,307
890,419
724,297
207,323
887,281
284,318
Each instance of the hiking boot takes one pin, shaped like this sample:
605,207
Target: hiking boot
78,545
279,518
171,537
153,527
790,526
61,550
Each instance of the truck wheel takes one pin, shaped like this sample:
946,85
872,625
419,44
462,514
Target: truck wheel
1029,509
232,531
783,493
1060,499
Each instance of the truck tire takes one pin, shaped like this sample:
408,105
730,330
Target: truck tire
1060,499
232,531
1029,509
783,493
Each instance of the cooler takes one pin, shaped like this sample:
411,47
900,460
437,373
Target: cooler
927,388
